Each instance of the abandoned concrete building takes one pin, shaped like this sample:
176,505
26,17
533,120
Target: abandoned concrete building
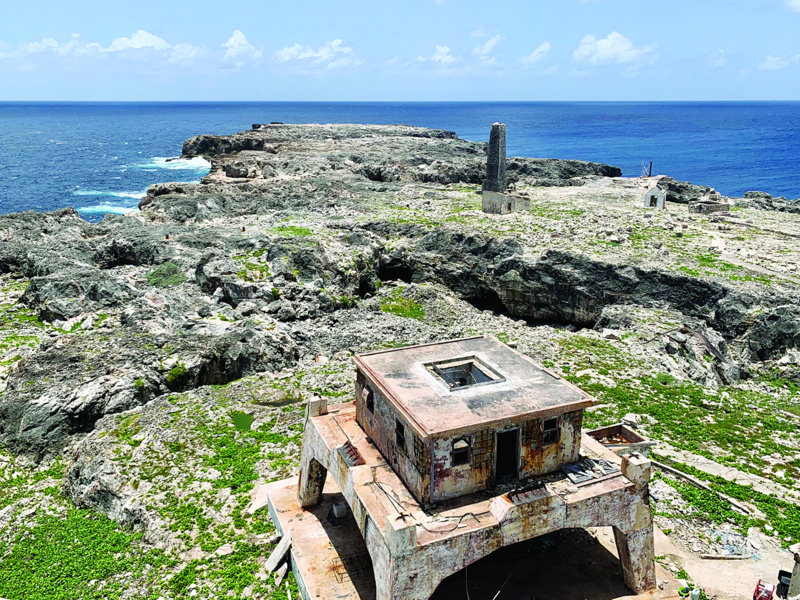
655,198
451,451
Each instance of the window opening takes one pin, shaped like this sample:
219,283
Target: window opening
550,431
370,399
653,201
400,435
460,453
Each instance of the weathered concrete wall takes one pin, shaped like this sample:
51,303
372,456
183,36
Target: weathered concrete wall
450,481
411,463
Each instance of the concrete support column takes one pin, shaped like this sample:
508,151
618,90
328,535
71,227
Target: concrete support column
636,554
407,580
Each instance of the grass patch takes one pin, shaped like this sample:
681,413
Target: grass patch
396,303
167,275
292,230
81,556
732,426
783,516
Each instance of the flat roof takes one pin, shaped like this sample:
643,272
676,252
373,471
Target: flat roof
518,388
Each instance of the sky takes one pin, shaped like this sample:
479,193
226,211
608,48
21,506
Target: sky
401,50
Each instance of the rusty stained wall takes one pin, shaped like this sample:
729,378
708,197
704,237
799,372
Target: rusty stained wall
535,459
412,463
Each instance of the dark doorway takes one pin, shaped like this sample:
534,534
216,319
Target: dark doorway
507,456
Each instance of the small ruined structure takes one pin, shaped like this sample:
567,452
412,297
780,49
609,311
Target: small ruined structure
655,198
621,439
449,452
502,204
710,202
705,207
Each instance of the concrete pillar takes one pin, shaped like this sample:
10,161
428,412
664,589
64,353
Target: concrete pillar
794,586
638,469
496,160
408,579
636,554
317,406
311,481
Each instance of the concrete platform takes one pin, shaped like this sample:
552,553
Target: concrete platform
329,556
331,562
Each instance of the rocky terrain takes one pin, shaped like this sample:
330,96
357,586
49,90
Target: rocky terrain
154,366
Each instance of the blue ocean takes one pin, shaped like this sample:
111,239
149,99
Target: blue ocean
100,157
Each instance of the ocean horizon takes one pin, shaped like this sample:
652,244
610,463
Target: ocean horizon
100,157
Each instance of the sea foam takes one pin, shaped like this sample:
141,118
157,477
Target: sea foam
196,164
110,194
106,208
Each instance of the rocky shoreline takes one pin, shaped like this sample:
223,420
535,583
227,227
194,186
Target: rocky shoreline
128,344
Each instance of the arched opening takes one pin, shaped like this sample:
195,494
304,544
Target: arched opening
569,563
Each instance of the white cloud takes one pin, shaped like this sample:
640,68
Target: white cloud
792,5
717,58
142,47
186,52
486,48
333,55
239,51
443,56
773,63
615,48
537,55
140,39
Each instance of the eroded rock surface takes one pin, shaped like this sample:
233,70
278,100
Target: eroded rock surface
129,344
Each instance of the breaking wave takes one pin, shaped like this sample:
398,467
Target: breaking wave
196,164
110,194
100,209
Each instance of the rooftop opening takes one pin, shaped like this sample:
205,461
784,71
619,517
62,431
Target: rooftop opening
466,372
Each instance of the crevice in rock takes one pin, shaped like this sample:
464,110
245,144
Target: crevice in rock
395,270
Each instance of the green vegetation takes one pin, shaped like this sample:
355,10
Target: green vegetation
396,303
292,230
241,420
254,265
127,427
176,374
783,516
744,422
16,322
81,556
166,275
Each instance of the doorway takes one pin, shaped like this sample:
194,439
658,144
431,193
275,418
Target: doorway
506,455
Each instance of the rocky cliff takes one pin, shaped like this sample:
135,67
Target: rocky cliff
129,346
